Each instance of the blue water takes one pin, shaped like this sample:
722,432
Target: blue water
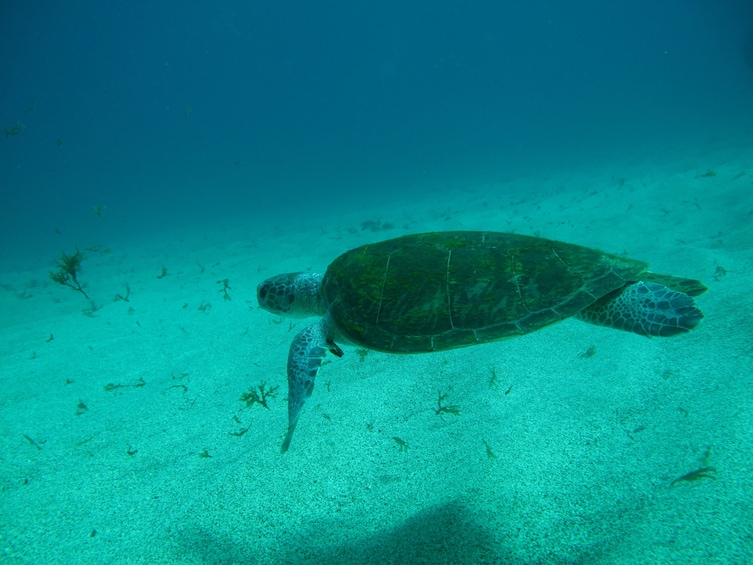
173,113
183,144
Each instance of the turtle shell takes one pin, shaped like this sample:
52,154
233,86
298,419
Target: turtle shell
434,291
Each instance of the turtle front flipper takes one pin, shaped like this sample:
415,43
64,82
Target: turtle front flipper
308,349
645,308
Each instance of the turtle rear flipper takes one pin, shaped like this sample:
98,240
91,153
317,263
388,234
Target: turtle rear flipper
645,308
307,351
691,287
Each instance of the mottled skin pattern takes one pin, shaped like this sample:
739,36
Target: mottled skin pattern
306,354
436,291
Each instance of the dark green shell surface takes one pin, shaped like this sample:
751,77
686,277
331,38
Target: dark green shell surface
434,291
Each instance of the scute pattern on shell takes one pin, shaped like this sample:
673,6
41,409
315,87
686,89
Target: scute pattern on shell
442,290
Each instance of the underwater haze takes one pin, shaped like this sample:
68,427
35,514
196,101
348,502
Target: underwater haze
186,113
173,155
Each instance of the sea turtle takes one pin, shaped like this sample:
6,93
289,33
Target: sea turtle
434,291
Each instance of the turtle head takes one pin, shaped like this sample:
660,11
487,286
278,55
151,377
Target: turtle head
292,294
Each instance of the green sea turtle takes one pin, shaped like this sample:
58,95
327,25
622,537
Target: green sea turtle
435,291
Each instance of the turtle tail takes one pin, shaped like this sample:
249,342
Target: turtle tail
645,308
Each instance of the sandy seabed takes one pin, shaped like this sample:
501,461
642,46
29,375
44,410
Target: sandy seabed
124,439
